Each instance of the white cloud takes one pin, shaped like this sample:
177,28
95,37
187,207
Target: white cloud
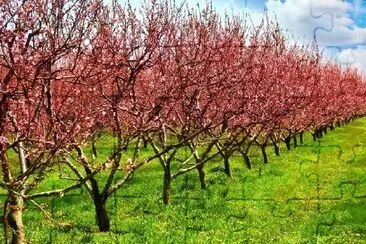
356,56
342,36
329,21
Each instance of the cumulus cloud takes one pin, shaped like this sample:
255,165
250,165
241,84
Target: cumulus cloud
331,22
355,56
328,20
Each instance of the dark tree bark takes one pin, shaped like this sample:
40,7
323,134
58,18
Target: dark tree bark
301,136
102,214
314,136
201,175
319,134
264,154
287,142
167,185
145,143
247,161
227,168
99,204
276,149
295,141
275,146
94,150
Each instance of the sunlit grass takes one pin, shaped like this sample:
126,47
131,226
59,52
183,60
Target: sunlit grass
314,193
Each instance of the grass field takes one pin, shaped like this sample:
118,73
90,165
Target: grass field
315,193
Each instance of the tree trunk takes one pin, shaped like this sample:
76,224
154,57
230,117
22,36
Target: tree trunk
295,141
287,142
145,143
265,158
301,137
22,159
167,186
201,174
319,134
227,166
102,214
325,130
331,127
247,161
314,136
94,150
99,203
14,219
276,149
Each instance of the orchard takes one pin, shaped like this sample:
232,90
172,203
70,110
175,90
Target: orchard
167,79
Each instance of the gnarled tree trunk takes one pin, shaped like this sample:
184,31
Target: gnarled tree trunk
319,134
276,149
265,158
287,142
14,219
167,185
101,214
100,207
301,137
227,168
247,161
295,141
314,136
201,175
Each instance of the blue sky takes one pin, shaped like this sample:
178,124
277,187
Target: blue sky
251,4
359,16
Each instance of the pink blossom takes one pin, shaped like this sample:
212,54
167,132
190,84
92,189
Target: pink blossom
3,141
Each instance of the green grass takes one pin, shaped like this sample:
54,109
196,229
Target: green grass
315,193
